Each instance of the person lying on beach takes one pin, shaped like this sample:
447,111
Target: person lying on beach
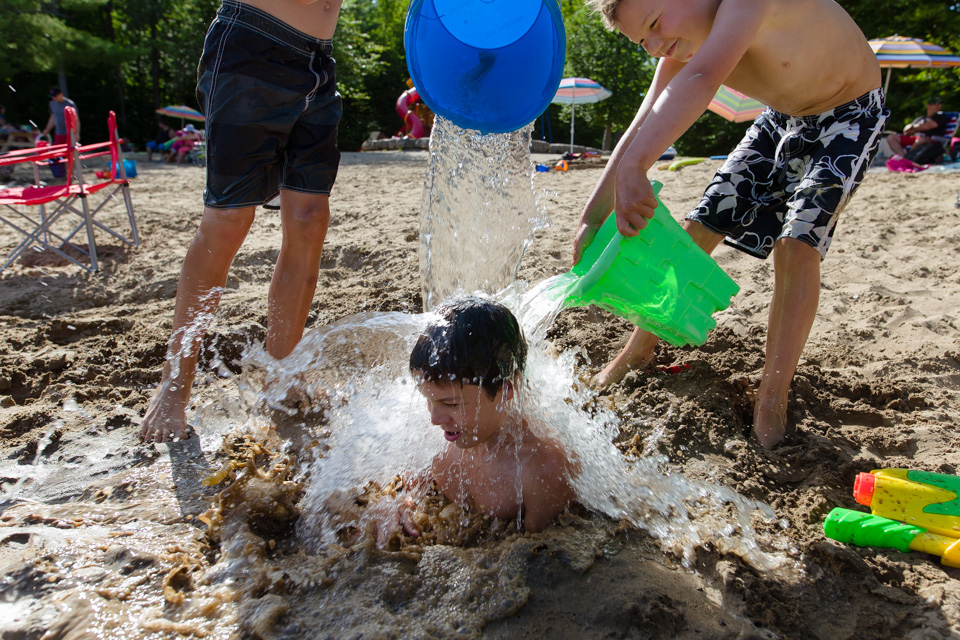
469,368
782,189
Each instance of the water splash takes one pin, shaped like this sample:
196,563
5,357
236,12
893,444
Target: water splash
478,212
379,427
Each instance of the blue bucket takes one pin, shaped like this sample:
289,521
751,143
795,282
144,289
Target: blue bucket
489,65
129,167
58,168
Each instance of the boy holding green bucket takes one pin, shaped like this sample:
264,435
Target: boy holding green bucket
783,187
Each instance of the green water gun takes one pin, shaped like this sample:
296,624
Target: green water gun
910,510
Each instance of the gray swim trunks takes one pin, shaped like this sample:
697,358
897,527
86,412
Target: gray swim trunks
791,176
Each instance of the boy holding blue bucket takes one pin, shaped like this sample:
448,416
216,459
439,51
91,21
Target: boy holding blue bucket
267,85
783,187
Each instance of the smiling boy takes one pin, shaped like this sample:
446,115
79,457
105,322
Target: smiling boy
469,367
782,189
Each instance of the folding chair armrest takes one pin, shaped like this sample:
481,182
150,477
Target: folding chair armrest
35,154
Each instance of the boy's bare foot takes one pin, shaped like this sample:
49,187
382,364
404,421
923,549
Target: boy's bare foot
770,423
624,363
165,418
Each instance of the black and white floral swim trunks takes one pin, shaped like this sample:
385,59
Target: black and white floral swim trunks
791,176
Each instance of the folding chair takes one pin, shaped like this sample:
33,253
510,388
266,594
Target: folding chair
949,134
63,200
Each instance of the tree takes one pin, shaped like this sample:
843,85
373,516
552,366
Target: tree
614,62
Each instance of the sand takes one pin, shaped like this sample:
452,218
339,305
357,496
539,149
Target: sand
877,386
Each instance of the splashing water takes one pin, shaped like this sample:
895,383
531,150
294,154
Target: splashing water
478,211
379,427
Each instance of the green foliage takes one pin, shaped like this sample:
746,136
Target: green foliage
371,68
614,62
133,56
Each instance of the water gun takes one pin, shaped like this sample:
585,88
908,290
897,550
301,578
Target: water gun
910,511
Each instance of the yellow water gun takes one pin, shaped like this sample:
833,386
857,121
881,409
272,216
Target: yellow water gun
910,510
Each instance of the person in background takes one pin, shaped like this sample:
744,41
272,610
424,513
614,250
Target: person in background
57,120
186,139
158,144
921,131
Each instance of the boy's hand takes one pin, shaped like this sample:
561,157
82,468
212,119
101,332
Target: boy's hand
635,202
405,516
594,214
585,235
386,527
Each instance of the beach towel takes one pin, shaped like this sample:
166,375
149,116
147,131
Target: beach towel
902,165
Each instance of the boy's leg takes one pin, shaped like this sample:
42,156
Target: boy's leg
796,295
638,351
202,277
305,218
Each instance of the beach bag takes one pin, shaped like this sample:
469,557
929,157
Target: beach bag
925,153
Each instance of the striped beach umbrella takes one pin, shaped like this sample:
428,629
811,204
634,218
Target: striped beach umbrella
183,112
735,106
574,91
899,52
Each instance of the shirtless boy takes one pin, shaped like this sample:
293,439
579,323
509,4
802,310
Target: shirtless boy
469,367
786,183
267,85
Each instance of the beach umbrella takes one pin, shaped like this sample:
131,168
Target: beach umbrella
183,112
734,106
899,52
574,91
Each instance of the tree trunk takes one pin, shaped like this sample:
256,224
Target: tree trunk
107,14
607,138
155,63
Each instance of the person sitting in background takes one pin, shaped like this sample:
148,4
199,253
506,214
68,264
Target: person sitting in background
187,138
922,131
164,135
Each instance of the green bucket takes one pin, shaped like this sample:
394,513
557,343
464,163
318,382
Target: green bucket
659,279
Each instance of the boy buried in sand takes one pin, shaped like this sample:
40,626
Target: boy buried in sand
469,367
783,187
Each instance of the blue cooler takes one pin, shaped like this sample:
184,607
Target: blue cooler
489,65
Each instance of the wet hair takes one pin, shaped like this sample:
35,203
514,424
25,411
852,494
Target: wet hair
55,91
476,341
607,9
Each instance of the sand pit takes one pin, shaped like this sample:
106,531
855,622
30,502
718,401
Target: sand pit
102,535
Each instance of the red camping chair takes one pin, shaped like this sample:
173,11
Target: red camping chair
52,225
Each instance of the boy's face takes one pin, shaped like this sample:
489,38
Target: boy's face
467,414
667,28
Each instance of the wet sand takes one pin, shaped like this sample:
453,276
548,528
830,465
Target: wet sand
100,534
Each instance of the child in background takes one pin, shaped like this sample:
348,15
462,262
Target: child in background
782,189
469,367
160,143
186,139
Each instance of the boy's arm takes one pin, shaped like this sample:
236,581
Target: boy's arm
685,98
600,204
